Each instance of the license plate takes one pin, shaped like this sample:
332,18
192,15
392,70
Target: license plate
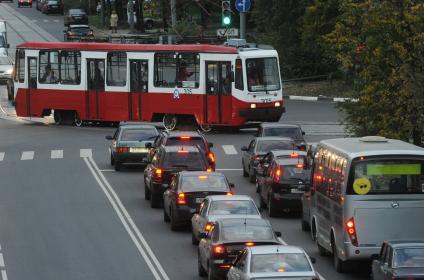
199,199
138,150
296,191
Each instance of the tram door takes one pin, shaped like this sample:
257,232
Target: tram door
32,82
95,87
218,92
138,85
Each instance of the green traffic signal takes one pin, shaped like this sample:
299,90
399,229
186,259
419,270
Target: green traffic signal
226,12
226,20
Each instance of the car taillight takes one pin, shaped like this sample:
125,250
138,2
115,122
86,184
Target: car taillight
208,226
181,199
211,157
249,244
185,137
229,193
277,175
122,149
294,155
300,165
218,249
157,175
182,152
209,170
351,231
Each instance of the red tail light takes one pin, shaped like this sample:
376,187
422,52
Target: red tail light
182,152
157,175
300,165
294,155
209,170
277,175
185,137
351,231
181,199
211,157
208,226
122,149
218,249
229,193
249,244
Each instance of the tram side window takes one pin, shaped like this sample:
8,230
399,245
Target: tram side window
70,67
48,67
182,70
238,83
20,65
116,69
188,70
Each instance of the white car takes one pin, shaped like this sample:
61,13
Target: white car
273,262
6,74
221,207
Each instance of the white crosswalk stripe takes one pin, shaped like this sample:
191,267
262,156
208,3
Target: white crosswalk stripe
56,20
1,156
86,153
56,154
27,155
229,149
46,20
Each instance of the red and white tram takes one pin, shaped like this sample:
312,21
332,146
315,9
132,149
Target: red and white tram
213,85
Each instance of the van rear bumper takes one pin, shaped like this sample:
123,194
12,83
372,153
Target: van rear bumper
358,253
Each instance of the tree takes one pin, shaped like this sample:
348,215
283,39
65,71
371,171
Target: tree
380,43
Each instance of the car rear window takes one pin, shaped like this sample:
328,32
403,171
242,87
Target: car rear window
247,232
409,257
233,207
296,262
80,30
189,160
291,132
203,183
181,141
138,135
264,146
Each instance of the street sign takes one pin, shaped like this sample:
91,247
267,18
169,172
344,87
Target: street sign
230,32
243,5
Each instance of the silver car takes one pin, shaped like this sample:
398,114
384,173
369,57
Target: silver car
221,207
273,262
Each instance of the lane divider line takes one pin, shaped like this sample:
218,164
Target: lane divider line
1,159
128,223
1,261
56,154
3,275
27,155
86,153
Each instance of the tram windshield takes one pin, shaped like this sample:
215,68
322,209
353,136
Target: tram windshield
262,74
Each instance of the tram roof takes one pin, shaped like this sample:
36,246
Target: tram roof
202,48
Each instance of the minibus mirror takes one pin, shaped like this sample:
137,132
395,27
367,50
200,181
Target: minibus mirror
261,210
303,133
108,137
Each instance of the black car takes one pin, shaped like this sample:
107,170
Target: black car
293,131
166,162
186,192
75,16
77,31
221,245
186,138
399,260
52,6
129,143
259,147
283,176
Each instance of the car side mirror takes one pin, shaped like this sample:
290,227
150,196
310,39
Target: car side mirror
313,260
108,137
244,148
232,185
210,145
374,257
277,233
148,145
203,235
261,210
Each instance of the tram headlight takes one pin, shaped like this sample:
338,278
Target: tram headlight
277,104
253,106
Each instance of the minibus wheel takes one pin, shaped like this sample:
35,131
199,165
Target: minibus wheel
339,265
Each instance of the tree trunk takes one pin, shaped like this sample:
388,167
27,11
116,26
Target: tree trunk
119,9
140,15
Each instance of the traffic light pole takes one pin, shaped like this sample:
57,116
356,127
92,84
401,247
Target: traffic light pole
242,25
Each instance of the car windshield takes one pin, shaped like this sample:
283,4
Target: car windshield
386,176
138,135
247,232
262,74
53,2
186,141
80,30
291,132
296,262
189,160
264,146
76,12
193,183
409,257
4,60
233,207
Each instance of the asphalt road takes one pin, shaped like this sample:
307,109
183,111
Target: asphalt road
66,214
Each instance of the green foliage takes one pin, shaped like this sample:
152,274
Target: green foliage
186,27
380,44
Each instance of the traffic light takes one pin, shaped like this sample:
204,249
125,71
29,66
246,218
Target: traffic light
226,12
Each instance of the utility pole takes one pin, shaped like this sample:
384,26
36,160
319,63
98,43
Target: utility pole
242,25
131,14
102,13
173,14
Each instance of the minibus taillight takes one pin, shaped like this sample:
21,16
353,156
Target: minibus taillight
181,199
351,231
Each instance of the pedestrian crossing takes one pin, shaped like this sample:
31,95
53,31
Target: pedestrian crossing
47,20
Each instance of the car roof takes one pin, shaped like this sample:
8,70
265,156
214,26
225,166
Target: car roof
139,126
405,243
199,173
240,197
264,125
276,249
265,138
244,222
173,149
79,26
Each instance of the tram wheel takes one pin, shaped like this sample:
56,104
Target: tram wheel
205,127
57,115
169,121
77,120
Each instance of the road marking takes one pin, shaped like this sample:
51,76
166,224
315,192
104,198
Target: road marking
45,20
34,20
1,159
85,153
3,275
128,223
107,170
229,149
56,20
55,154
28,155
1,260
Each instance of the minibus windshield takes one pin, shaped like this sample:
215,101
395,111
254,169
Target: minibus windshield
386,176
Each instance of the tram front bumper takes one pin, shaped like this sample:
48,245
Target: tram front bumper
262,114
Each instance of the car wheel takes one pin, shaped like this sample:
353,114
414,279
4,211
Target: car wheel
252,175
211,275
118,165
147,194
305,225
165,216
200,270
194,240
112,160
258,188
262,203
245,174
154,200
272,212
321,250
174,226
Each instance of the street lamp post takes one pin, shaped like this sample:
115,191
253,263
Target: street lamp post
131,14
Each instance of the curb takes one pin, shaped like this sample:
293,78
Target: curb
318,98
